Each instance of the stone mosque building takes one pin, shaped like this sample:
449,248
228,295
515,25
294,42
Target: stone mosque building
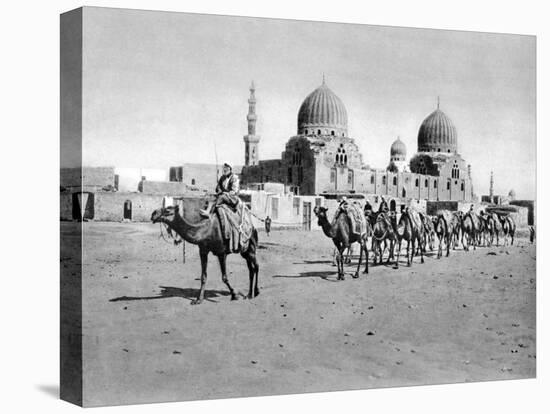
323,159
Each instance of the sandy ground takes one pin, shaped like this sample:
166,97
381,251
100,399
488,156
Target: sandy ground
469,317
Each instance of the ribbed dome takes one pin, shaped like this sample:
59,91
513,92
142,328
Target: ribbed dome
323,113
437,134
398,149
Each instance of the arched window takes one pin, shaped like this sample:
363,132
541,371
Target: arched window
306,131
372,179
318,132
395,180
383,180
455,171
416,182
448,150
345,159
439,150
426,183
332,133
448,185
462,186
435,184
192,181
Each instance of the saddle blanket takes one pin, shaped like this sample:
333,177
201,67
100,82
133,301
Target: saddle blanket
357,218
236,226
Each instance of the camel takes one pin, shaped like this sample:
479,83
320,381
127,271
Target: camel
497,226
444,229
383,232
342,237
508,228
469,228
456,225
488,228
429,232
207,234
410,228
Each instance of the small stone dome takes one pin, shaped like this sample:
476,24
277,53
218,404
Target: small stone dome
323,113
398,149
437,133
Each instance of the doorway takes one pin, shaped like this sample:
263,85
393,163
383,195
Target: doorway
128,210
392,205
306,215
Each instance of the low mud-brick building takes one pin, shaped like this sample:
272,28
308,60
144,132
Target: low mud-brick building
323,158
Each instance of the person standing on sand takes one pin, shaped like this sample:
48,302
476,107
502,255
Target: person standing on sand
267,222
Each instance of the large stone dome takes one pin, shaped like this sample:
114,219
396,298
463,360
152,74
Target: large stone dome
398,149
322,113
437,134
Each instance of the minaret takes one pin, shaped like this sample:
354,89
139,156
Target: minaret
491,183
251,140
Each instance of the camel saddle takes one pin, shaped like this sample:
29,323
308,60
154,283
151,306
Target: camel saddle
358,222
414,216
236,225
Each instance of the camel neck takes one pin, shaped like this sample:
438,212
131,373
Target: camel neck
191,232
328,228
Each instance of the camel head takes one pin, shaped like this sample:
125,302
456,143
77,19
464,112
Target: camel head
165,214
321,213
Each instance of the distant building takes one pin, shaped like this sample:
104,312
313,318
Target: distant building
323,158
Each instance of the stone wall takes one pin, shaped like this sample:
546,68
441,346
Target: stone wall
531,209
164,187
87,177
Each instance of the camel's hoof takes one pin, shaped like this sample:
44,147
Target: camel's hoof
196,302
256,292
234,297
355,275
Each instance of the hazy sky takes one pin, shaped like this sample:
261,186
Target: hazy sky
161,88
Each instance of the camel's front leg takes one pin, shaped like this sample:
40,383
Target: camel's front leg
222,259
340,262
361,245
204,264
365,246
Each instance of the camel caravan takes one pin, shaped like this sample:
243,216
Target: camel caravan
388,230
225,226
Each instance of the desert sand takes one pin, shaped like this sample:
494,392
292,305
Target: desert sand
468,317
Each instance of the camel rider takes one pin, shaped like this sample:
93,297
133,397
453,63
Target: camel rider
368,209
383,206
343,204
227,191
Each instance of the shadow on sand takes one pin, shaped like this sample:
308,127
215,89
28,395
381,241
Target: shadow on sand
320,274
174,292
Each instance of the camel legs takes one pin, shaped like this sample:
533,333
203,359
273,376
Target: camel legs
204,264
398,253
356,275
222,259
363,247
253,271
